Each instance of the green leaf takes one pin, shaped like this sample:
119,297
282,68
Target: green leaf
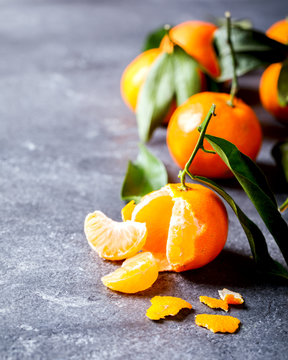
283,84
280,154
256,187
253,49
155,96
146,174
155,37
254,235
186,75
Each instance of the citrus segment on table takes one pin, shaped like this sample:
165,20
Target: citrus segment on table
137,273
218,323
114,240
231,297
186,229
238,124
214,303
164,306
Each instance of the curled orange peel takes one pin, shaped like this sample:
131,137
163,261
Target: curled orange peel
231,297
214,303
166,305
218,323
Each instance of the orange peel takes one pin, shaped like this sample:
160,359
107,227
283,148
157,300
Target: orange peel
214,303
136,274
164,306
231,297
218,323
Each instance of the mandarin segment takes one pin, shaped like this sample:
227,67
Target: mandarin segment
231,297
218,323
126,212
164,306
136,274
214,303
196,235
114,240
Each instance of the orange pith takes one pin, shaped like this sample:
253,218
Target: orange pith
164,306
185,229
218,323
196,38
214,303
114,240
136,274
279,31
269,93
238,124
231,297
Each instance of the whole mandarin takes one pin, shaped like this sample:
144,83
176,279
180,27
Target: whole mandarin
238,124
196,38
269,93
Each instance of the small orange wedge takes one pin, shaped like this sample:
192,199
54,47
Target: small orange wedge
127,210
166,305
136,274
114,240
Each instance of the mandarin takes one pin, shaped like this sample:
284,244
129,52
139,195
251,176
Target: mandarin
268,88
279,31
238,124
268,91
196,38
186,229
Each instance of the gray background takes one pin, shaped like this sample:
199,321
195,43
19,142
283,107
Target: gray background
65,138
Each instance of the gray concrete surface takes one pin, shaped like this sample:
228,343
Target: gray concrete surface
65,138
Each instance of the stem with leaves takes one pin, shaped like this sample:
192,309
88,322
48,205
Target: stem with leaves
234,85
200,145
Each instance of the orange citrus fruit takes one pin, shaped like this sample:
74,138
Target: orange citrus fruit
279,31
268,83
185,229
166,306
137,273
231,297
269,93
135,75
218,323
114,240
196,38
238,124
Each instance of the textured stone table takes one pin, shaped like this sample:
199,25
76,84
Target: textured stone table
65,138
